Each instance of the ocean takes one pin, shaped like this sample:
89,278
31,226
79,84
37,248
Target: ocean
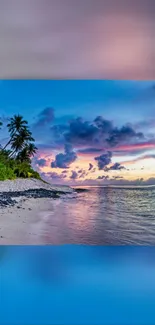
103,216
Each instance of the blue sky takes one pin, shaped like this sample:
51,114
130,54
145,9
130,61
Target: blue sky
79,97
52,108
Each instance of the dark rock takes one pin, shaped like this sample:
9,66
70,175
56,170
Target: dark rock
79,190
6,197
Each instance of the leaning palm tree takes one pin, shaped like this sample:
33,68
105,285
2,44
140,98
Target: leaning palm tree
17,144
26,135
32,149
23,156
20,140
17,123
26,153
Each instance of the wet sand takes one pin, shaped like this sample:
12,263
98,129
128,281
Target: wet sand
20,224
24,206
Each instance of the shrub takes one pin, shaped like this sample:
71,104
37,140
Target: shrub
11,168
6,172
25,170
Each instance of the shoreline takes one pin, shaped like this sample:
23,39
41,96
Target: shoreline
24,205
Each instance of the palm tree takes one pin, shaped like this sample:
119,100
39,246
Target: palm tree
23,156
16,125
20,140
17,144
32,149
26,153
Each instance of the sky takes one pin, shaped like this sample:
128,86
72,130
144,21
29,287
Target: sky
88,132
106,39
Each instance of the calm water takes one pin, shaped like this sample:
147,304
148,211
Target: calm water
103,215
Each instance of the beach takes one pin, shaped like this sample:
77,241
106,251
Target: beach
24,206
36,213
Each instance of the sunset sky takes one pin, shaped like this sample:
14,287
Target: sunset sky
87,132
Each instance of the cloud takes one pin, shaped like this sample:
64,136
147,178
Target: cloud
98,135
41,162
123,135
115,166
45,118
103,124
117,177
80,171
64,160
143,157
4,119
134,148
145,124
90,137
103,177
54,175
74,175
90,166
89,151
81,132
104,160
57,133
83,174
120,181
64,172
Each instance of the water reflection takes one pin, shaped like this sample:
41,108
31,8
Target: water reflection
110,216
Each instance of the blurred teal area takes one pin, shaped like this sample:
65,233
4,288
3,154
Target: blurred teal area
74,284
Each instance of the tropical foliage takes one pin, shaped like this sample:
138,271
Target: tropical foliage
16,154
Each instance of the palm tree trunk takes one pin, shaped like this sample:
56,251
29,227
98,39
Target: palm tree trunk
9,141
7,144
12,153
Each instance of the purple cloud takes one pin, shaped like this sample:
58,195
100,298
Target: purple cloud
83,174
41,162
81,132
45,118
90,150
98,135
123,135
104,160
115,166
103,177
74,175
64,160
90,166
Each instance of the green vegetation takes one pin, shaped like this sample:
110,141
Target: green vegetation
16,154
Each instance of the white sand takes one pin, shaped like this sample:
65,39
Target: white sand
22,184
22,226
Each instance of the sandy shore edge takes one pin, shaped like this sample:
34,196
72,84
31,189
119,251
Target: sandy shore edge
20,221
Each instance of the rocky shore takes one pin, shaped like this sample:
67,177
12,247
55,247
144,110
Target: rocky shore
11,192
